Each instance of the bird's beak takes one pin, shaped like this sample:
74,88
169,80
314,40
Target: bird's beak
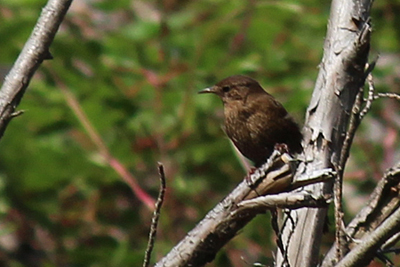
206,90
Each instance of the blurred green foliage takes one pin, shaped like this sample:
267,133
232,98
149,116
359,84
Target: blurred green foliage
135,68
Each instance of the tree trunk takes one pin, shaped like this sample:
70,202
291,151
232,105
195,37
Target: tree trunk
342,74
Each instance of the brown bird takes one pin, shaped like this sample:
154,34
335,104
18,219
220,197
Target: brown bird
254,120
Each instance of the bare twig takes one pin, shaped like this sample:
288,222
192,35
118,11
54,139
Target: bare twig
338,184
391,242
275,227
288,218
339,233
372,96
34,52
384,200
387,95
17,113
357,113
362,254
370,99
289,200
313,177
156,216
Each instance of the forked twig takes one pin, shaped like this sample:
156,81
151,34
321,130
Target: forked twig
372,96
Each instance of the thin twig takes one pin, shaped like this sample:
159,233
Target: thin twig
275,227
387,95
353,125
288,218
156,216
371,97
338,184
313,177
338,192
364,252
383,201
17,113
355,119
390,243
290,200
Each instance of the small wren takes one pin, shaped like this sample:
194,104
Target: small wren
254,120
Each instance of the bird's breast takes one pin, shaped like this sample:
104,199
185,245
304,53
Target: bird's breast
245,132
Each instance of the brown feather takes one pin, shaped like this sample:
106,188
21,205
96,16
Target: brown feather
254,120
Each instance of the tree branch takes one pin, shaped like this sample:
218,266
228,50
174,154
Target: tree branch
223,222
34,52
384,202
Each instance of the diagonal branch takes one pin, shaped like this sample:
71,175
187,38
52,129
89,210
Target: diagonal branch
223,222
34,52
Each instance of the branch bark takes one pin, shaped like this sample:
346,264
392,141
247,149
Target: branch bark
223,222
374,224
36,50
342,74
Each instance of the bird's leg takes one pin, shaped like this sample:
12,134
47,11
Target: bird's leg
282,148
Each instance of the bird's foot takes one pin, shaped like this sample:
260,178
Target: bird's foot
283,148
248,176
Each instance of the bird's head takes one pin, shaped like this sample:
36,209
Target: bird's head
234,88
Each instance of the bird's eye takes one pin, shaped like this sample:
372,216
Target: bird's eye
226,89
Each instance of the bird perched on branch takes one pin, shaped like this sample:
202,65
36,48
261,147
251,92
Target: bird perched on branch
254,120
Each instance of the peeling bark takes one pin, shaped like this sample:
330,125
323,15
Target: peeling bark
342,74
